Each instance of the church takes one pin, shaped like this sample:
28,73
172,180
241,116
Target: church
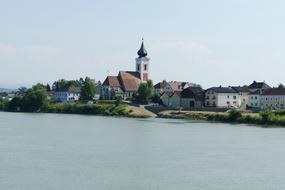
126,83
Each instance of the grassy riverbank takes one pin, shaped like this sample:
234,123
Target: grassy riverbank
103,108
266,118
97,109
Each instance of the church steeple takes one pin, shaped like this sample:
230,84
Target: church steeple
142,64
142,51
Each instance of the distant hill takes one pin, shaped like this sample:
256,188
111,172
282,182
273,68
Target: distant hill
7,90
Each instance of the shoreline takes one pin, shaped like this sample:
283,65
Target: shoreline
264,118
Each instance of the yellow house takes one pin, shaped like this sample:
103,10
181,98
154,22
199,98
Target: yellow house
273,99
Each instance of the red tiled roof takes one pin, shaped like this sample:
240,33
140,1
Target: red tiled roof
177,86
274,92
130,80
112,81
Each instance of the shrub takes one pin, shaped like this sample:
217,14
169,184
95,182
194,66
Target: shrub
234,115
266,116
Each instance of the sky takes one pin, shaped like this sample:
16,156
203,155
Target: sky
209,42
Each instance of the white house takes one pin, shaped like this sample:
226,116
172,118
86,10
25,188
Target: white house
222,97
71,94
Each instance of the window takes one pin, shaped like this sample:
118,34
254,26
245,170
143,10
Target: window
256,97
214,97
234,97
228,96
228,103
251,97
138,67
145,67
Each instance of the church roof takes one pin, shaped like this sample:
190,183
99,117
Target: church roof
130,80
142,51
112,81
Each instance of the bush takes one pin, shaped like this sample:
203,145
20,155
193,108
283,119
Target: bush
266,116
3,104
15,104
234,115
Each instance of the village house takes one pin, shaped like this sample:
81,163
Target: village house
175,86
171,99
261,86
244,93
254,100
70,94
192,97
126,83
158,88
273,99
222,97
256,89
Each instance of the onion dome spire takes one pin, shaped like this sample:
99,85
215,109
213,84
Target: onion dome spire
142,51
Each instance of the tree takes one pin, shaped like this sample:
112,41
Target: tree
35,99
22,91
145,92
63,84
15,104
281,86
88,90
48,87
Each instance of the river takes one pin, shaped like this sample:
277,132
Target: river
75,152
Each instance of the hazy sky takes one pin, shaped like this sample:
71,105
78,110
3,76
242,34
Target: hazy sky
210,42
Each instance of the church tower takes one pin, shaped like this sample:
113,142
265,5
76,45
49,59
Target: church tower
142,63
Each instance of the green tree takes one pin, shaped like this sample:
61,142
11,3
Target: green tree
63,84
48,87
3,104
15,104
88,90
35,99
281,86
145,92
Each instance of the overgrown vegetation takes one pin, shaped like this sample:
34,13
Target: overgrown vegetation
35,99
266,117
3,104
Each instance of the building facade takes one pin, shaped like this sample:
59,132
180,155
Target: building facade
273,99
71,94
192,97
222,97
171,99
